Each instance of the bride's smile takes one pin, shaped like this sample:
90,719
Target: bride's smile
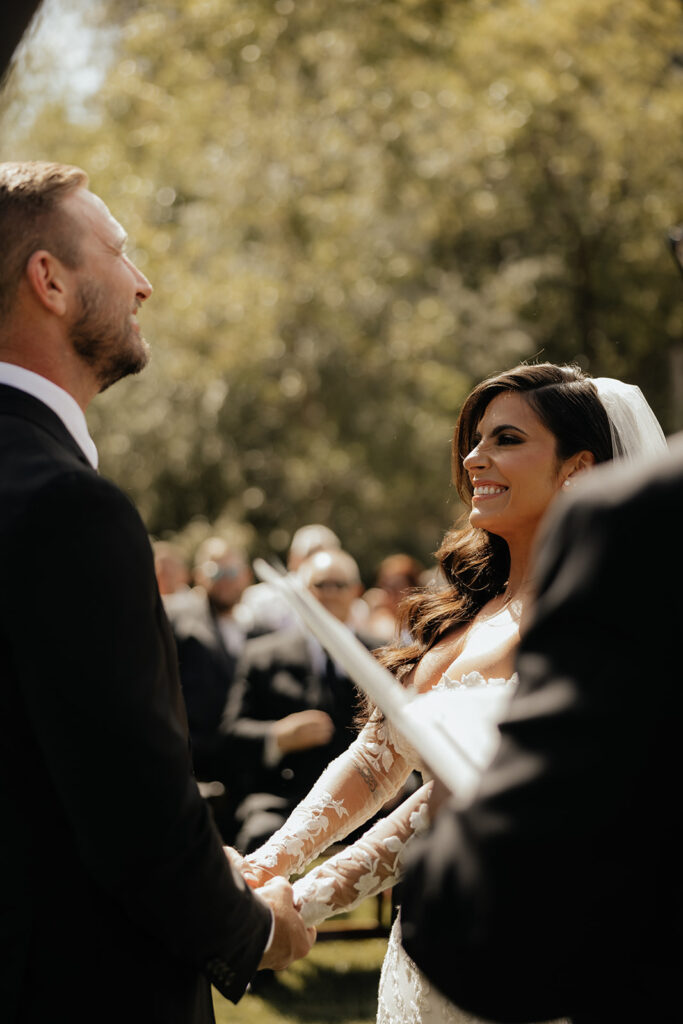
513,468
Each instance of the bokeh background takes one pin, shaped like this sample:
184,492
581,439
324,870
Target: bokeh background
351,212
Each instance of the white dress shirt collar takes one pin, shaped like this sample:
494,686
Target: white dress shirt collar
60,401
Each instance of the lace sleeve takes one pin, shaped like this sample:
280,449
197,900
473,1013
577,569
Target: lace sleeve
373,863
351,789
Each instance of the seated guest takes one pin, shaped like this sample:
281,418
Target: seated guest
291,709
210,630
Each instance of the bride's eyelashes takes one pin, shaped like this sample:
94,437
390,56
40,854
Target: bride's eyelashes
500,440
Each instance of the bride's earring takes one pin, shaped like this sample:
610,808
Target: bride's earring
567,483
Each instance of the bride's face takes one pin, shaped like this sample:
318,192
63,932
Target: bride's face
513,468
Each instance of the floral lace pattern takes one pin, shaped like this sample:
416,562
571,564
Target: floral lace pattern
349,792
445,685
351,789
291,844
473,679
406,995
377,747
372,864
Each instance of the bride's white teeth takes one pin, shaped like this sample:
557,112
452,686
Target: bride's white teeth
490,490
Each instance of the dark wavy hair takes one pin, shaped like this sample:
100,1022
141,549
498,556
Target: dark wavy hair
474,563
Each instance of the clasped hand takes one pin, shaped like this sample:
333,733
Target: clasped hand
292,940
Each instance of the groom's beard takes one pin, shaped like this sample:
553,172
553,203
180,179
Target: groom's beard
106,339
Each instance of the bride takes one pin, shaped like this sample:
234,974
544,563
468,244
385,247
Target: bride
521,438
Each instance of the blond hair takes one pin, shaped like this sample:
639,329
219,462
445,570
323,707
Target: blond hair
31,218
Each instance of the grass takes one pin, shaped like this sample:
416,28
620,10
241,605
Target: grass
336,982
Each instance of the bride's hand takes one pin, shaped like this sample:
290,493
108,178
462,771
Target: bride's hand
252,874
256,876
236,859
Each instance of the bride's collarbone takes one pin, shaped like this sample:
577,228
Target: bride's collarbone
486,645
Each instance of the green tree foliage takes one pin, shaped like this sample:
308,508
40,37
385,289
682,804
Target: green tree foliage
351,212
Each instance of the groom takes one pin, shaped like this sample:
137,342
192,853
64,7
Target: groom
116,899
559,892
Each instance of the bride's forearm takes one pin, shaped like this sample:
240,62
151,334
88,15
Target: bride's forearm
372,864
350,791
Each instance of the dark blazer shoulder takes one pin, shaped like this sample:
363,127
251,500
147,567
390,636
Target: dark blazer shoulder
74,494
29,422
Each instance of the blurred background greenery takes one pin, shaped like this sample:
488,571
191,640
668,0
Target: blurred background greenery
350,213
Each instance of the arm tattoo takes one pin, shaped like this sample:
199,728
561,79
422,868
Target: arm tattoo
367,777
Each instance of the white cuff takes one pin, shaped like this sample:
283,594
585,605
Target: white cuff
269,943
272,755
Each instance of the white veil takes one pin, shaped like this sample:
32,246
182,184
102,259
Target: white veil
635,429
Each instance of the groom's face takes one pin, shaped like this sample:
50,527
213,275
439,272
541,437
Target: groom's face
108,291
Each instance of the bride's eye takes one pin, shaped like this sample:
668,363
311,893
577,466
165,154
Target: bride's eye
509,439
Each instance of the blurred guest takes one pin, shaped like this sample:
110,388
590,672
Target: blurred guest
397,575
268,608
309,539
210,629
291,709
171,568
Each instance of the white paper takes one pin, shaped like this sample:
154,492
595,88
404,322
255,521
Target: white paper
456,738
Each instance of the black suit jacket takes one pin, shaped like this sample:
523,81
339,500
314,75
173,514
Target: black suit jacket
559,891
207,672
115,896
275,678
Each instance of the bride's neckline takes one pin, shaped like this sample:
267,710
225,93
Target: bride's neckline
473,678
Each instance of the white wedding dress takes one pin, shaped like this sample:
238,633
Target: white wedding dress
350,791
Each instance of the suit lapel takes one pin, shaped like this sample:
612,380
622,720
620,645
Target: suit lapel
14,402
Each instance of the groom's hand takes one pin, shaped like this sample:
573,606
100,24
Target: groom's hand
291,938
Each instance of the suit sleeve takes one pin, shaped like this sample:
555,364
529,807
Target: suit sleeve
248,702
538,883
243,731
100,686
